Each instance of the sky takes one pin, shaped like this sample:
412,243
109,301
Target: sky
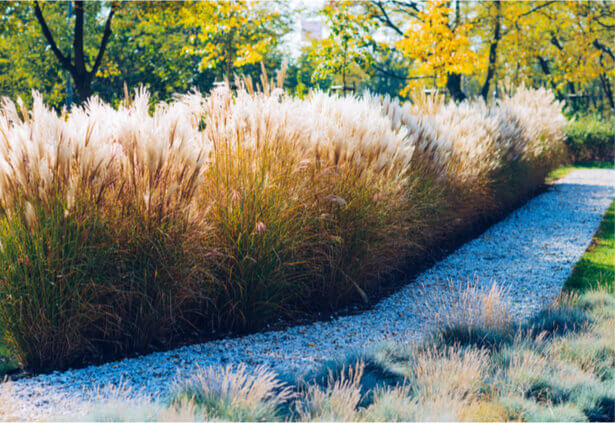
302,9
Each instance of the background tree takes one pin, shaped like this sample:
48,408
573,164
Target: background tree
230,34
439,47
565,45
25,60
346,50
147,49
383,45
79,62
495,7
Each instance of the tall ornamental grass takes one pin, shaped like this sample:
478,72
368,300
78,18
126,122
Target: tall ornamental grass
144,226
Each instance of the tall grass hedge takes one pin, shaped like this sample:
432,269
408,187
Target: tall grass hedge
142,226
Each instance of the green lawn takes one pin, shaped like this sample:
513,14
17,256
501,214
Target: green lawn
597,266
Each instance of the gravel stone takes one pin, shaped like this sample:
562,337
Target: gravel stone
531,253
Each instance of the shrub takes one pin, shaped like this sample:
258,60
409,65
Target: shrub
143,226
591,137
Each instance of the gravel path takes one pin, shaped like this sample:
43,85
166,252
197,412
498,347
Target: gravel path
531,253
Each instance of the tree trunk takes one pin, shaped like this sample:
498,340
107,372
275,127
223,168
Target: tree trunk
344,69
453,85
484,92
78,71
544,65
83,84
606,85
453,80
228,63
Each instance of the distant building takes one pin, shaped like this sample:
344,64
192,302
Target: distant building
311,30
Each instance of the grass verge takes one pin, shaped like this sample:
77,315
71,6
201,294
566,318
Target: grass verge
597,266
480,365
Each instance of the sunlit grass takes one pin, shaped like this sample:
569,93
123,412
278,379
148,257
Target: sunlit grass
140,227
591,137
597,266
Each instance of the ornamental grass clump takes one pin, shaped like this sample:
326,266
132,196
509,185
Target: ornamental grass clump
139,227
96,233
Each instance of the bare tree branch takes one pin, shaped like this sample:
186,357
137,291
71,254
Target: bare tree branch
389,73
534,9
603,48
103,42
65,61
78,70
409,8
384,17
529,12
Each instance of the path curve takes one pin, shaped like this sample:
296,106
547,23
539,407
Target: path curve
531,252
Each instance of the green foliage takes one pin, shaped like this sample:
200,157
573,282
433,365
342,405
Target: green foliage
54,278
345,50
8,362
591,137
26,62
174,46
228,35
146,50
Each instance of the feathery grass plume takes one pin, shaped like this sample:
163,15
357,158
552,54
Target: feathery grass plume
478,305
543,126
288,165
97,207
449,373
533,376
160,233
131,228
539,376
479,318
52,182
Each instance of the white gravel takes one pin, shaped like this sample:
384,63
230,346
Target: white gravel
531,253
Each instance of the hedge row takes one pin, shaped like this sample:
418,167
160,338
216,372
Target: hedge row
591,138
126,229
